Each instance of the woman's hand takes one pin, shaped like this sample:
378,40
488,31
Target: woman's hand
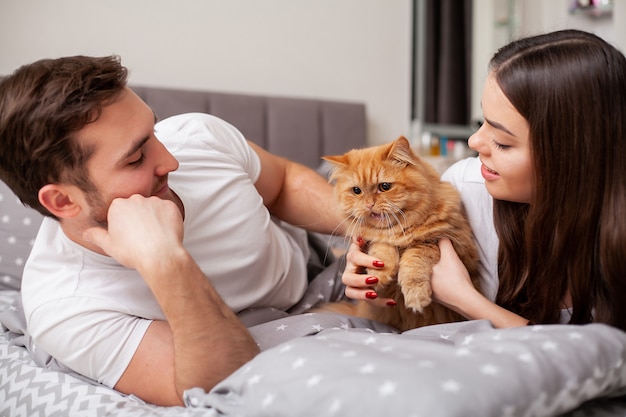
453,288
359,285
450,281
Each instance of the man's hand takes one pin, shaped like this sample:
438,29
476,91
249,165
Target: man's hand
140,231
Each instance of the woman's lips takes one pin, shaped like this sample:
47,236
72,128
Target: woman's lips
488,173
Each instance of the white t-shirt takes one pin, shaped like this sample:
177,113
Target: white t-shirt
465,176
91,313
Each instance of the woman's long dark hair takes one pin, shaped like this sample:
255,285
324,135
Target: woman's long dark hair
571,88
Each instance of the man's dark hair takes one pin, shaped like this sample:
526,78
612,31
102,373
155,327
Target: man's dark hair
42,106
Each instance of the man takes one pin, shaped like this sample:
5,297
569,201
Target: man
131,282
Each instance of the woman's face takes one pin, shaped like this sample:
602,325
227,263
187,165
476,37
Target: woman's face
502,144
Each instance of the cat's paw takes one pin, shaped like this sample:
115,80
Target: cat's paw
384,278
417,298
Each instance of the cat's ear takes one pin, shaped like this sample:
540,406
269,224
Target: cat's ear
336,159
401,151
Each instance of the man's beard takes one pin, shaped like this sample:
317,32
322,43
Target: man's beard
99,209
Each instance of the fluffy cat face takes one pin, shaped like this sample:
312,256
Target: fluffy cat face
383,187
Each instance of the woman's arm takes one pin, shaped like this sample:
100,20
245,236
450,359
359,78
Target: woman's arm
450,282
453,288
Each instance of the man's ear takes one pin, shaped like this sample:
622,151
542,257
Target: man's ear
59,200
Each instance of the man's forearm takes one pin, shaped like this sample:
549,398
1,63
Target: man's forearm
209,340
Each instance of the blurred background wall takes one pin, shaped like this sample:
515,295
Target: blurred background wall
355,50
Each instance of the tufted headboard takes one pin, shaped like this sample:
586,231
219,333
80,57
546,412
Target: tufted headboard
298,128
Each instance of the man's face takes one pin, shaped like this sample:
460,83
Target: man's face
127,157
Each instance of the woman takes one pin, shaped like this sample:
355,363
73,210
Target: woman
552,157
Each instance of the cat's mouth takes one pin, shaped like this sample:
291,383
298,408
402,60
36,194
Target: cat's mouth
379,220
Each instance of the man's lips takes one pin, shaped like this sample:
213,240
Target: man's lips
161,189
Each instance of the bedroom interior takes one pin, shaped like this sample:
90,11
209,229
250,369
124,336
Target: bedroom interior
344,77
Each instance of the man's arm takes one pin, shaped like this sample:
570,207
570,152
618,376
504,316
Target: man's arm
297,194
202,341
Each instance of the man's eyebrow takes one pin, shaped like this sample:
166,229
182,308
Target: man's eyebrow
498,126
139,144
136,146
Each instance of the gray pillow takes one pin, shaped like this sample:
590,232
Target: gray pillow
18,228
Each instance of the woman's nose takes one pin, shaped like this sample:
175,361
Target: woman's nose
476,142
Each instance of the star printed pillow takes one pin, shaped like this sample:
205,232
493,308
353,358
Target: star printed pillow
18,228
456,369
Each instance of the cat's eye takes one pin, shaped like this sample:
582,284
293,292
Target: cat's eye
384,186
356,190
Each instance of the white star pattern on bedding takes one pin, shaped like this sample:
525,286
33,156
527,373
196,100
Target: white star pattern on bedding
460,369
19,227
442,370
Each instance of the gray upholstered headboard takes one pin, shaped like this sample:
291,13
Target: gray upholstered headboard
300,129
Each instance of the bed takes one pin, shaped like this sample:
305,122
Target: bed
324,364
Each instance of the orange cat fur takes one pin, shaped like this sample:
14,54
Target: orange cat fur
398,205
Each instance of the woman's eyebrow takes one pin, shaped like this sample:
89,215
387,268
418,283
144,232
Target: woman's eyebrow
498,126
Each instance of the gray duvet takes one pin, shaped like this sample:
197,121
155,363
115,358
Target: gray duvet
334,365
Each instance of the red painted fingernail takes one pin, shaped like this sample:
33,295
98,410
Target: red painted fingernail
391,303
371,295
371,280
378,264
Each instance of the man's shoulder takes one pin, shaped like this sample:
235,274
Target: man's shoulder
190,124
180,121
190,131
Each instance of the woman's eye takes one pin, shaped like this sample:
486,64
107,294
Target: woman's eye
498,145
384,186
356,190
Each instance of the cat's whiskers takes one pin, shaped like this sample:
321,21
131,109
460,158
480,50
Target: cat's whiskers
354,229
400,217
346,236
389,228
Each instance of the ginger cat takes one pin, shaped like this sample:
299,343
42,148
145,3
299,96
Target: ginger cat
398,205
